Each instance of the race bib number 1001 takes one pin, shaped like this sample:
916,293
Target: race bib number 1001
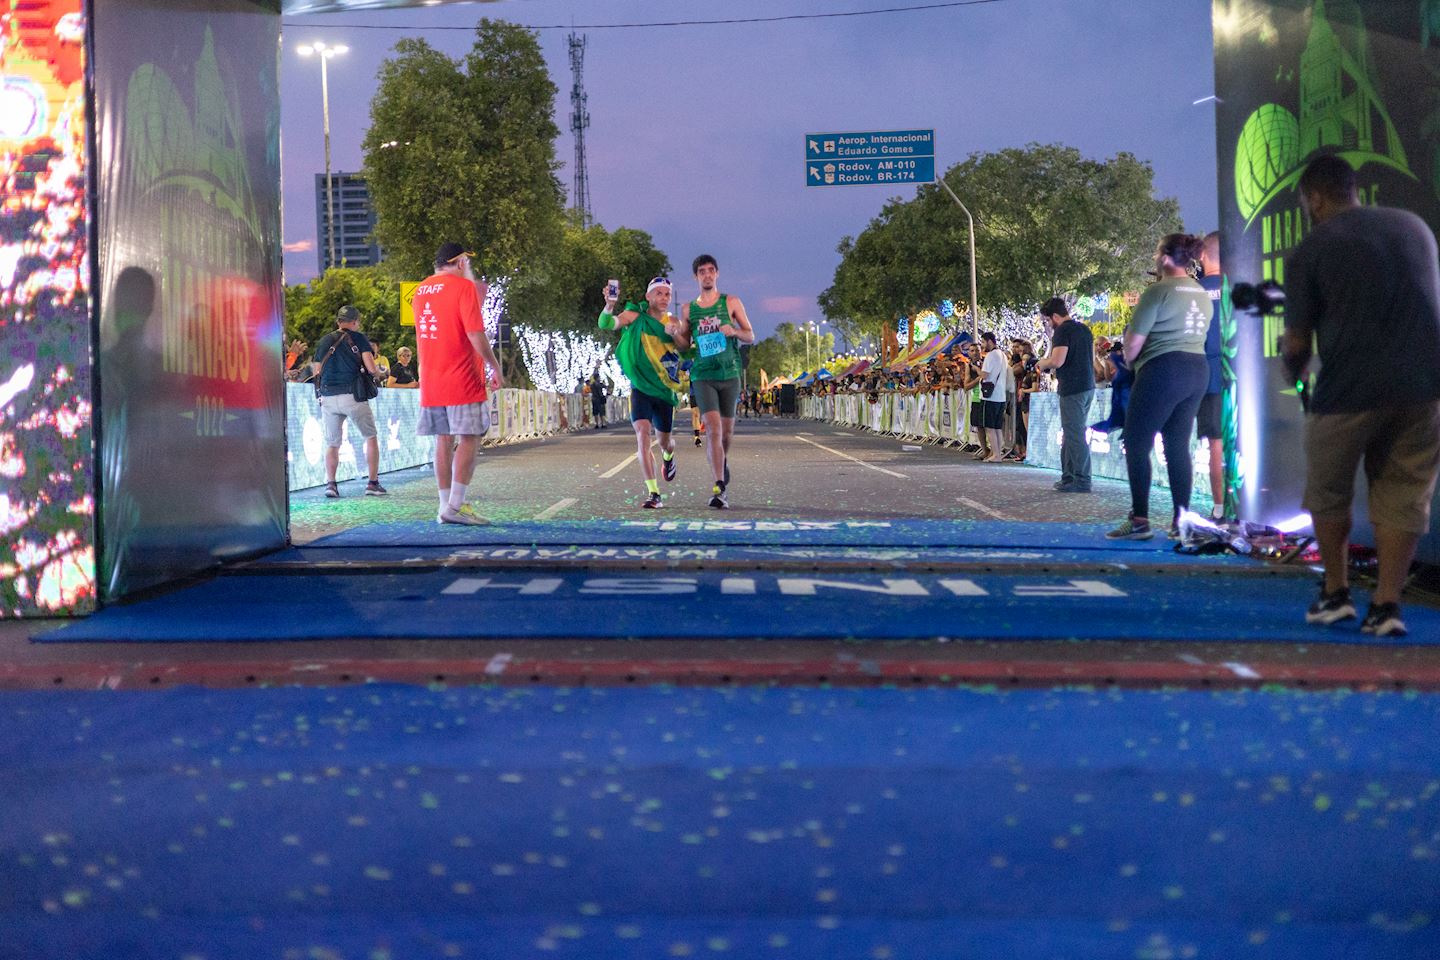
711,344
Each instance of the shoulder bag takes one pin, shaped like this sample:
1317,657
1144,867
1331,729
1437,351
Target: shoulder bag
366,388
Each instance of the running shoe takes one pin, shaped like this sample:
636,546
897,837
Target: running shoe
466,515
1383,620
698,441
669,469
332,489
718,498
373,489
1132,529
653,502
1331,608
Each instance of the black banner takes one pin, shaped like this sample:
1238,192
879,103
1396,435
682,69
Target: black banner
192,402
1297,79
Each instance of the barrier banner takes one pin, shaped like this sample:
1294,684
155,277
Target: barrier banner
397,414
187,111
47,551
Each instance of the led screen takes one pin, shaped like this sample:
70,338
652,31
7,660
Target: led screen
47,504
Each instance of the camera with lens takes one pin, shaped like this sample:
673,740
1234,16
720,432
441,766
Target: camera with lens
1031,362
1262,298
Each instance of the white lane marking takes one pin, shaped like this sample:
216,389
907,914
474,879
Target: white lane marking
1191,659
977,505
1240,670
869,466
620,466
555,508
498,663
908,448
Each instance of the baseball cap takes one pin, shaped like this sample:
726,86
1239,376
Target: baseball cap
347,314
449,253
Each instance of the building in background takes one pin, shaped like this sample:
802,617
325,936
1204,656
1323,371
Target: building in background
354,222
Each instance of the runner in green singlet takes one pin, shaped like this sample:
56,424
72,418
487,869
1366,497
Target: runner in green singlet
715,324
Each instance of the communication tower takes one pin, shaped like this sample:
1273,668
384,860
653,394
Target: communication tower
579,120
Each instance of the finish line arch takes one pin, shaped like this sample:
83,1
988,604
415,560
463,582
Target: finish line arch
142,437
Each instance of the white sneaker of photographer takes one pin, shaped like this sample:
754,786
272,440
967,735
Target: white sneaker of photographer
465,515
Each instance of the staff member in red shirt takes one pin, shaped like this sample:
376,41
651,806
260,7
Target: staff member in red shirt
453,355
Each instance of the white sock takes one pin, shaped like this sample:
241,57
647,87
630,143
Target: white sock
457,495
444,497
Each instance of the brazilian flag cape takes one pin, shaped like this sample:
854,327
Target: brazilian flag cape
648,356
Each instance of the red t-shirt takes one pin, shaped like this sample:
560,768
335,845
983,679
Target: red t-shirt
447,309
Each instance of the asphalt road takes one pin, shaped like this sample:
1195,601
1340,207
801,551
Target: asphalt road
780,469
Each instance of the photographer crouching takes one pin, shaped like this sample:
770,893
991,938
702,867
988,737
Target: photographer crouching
1365,277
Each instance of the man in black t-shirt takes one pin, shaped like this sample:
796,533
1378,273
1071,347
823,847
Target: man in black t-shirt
1365,279
338,359
1072,347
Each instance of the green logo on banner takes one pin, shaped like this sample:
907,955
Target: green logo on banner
1340,110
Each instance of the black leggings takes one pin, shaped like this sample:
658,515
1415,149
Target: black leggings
1165,399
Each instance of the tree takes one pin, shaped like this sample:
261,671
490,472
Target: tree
1048,222
310,308
464,152
787,353
563,291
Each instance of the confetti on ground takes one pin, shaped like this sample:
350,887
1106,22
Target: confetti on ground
390,821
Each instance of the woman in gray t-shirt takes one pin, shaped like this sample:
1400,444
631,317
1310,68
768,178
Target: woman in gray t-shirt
1165,346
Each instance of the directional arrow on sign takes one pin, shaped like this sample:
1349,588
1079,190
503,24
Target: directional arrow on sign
814,146
814,172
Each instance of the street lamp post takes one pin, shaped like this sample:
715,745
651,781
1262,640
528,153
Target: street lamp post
810,327
324,52
974,301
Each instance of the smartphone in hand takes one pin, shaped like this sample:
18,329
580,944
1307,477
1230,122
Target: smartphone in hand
612,290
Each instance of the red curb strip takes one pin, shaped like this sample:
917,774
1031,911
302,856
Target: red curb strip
847,670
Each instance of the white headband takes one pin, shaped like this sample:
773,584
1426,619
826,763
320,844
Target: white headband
657,282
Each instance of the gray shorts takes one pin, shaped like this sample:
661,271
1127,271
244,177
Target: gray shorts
337,408
461,420
717,395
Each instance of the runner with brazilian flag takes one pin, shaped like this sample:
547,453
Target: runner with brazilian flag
650,359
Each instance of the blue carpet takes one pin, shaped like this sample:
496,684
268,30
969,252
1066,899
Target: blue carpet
387,822
522,604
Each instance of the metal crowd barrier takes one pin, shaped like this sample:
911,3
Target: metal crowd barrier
515,415
944,418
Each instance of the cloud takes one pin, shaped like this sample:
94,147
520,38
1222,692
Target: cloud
300,246
787,305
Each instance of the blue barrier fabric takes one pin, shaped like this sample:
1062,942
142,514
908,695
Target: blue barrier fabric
387,822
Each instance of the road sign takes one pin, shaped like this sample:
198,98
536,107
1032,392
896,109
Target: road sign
880,156
834,173
881,143
407,304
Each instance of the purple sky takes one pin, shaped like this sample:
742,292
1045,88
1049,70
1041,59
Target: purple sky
697,132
